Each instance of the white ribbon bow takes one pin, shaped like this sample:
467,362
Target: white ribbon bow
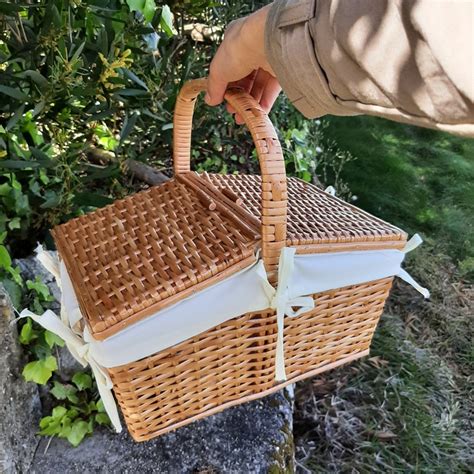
79,347
281,302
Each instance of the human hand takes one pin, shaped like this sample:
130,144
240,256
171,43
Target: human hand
240,61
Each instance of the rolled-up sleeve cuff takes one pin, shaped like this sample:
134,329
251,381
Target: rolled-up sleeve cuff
289,48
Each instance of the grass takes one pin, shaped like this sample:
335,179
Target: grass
394,412
407,408
419,179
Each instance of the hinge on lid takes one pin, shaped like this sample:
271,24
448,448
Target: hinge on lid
222,200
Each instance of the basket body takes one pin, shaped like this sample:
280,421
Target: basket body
234,362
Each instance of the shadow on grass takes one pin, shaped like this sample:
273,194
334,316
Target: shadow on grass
421,180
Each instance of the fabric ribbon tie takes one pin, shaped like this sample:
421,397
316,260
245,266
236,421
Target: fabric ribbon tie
412,244
77,345
284,305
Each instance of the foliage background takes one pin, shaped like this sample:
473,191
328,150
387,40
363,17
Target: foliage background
86,85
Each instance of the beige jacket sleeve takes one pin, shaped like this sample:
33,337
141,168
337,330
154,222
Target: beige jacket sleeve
407,60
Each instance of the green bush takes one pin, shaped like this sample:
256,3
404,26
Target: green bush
83,86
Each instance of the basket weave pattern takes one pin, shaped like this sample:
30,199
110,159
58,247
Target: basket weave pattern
314,217
146,252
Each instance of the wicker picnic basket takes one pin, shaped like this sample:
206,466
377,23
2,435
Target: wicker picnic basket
144,253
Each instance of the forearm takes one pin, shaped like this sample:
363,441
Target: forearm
383,58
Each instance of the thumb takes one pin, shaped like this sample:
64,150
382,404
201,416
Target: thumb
215,90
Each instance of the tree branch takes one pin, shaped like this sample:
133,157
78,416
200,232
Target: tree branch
145,173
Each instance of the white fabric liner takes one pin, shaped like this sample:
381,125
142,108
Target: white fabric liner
246,291
241,293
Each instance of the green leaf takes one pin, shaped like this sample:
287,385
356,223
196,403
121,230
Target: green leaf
14,93
5,189
52,200
56,17
8,7
82,380
58,423
39,107
134,78
59,391
92,406
5,259
42,157
79,430
16,116
131,92
27,333
102,419
37,308
149,10
15,223
100,406
15,273
65,392
101,115
77,52
59,412
52,339
128,125
136,5
72,413
49,426
19,164
36,77
39,287
166,21
145,7
40,371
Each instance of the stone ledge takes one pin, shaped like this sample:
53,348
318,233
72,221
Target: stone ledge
20,407
255,437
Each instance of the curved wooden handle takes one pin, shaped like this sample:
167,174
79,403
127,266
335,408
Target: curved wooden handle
270,156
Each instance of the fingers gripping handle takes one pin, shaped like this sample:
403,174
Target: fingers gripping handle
270,156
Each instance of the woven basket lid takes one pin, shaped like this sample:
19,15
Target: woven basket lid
141,254
316,220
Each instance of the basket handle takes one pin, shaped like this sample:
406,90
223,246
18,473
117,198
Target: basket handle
270,156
